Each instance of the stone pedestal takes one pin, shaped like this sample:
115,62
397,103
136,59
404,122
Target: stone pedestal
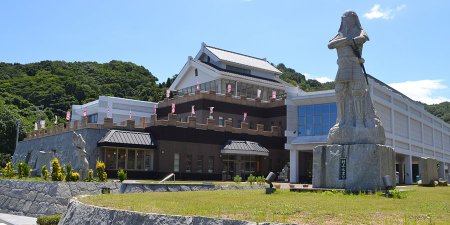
357,167
428,171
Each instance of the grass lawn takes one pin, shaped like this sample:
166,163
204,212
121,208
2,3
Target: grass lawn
423,205
25,178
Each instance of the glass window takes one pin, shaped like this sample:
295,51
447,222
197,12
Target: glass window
221,121
131,159
309,110
317,130
148,160
316,119
309,119
92,118
301,111
325,108
188,163
110,158
333,108
176,162
332,119
121,158
301,120
317,109
325,128
140,159
200,164
309,130
210,164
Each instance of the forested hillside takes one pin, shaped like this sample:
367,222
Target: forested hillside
49,88
441,110
297,79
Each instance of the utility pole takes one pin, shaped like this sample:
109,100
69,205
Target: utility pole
18,133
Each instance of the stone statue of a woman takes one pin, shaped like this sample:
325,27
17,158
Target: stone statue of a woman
356,122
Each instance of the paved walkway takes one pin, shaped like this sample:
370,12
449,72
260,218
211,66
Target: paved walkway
9,219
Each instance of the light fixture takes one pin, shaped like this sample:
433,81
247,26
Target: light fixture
269,179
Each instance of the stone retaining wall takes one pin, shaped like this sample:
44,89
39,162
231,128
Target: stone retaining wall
136,187
32,198
80,213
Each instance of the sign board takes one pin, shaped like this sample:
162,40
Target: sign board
342,168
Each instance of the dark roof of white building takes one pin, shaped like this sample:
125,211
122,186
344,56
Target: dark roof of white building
244,148
238,58
124,138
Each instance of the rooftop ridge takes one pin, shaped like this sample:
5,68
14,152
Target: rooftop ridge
237,53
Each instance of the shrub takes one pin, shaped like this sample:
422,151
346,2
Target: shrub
122,175
23,170
49,220
44,172
70,175
101,171
251,179
68,172
260,180
57,171
90,177
237,179
396,193
75,177
8,171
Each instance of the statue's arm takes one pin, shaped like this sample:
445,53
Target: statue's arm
338,41
362,38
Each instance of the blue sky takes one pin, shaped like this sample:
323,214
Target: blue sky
408,47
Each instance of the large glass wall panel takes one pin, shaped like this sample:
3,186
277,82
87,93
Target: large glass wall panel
128,159
121,159
176,162
131,159
110,158
316,119
139,159
148,160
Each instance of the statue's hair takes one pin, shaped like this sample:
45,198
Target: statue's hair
358,24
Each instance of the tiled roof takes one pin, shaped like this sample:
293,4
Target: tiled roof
244,148
242,74
242,59
123,138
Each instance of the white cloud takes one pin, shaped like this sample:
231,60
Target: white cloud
376,12
322,79
422,90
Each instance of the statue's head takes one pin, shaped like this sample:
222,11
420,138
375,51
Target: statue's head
349,20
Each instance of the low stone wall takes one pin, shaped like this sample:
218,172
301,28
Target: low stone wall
136,187
80,213
32,198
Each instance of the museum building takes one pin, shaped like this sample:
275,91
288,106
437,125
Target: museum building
231,115
410,130
226,119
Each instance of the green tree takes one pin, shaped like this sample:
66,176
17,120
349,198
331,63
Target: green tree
101,171
8,127
57,171
8,171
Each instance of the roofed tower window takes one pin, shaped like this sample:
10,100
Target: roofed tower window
238,70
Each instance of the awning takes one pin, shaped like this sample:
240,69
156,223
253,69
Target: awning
244,148
124,138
